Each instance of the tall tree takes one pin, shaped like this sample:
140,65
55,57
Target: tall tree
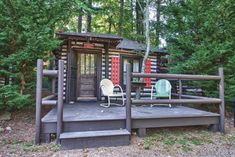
27,33
158,22
121,10
89,4
200,38
80,20
147,37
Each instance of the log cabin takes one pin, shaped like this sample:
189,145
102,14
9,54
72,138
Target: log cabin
90,57
76,118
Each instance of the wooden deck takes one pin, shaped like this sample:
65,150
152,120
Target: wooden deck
92,111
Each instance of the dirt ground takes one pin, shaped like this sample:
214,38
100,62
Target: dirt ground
17,135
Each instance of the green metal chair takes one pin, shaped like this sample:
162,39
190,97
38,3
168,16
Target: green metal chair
163,90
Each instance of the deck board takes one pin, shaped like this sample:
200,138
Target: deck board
92,111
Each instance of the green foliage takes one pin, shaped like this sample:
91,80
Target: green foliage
200,37
27,33
11,99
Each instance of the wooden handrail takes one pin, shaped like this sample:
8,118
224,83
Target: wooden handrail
177,76
190,100
50,73
49,97
47,100
178,101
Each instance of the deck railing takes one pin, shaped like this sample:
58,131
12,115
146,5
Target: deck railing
49,100
183,99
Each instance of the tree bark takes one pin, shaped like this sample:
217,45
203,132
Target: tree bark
120,21
89,17
158,12
80,21
139,17
22,78
110,24
147,39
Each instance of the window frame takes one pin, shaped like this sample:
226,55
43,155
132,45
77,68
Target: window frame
128,57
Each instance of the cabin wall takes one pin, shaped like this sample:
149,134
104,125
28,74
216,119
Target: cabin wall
62,53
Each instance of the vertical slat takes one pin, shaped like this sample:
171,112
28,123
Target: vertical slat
53,82
180,89
221,95
60,99
106,48
128,97
38,100
69,54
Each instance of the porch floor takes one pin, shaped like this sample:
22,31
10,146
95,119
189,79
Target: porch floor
92,111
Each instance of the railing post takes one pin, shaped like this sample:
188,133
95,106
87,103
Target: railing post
221,96
128,97
180,89
60,100
38,101
53,85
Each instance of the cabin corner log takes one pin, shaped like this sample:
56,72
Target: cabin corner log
60,100
177,76
221,96
38,101
128,98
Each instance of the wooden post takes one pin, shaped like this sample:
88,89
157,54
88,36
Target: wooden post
128,97
53,86
106,49
38,101
180,89
60,100
221,96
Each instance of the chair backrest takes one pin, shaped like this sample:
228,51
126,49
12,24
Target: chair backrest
106,86
163,87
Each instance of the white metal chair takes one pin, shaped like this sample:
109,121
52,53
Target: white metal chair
163,90
107,88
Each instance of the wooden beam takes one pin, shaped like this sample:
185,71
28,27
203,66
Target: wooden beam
50,73
60,100
49,97
178,101
38,101
221,96
68,69
128,97
177,76
49,102
180,89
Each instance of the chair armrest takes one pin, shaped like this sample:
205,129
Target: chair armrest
118,86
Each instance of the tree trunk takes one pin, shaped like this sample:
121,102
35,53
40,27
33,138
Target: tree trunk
89,17
139,17
158,12
22,78
147,39
110,24
120,21
80,21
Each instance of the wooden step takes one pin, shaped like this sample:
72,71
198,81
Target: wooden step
92,139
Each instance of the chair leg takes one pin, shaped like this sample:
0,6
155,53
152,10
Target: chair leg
170,99
123,101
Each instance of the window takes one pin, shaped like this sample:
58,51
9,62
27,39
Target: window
135,67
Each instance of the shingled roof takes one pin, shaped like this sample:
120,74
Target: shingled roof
127,44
